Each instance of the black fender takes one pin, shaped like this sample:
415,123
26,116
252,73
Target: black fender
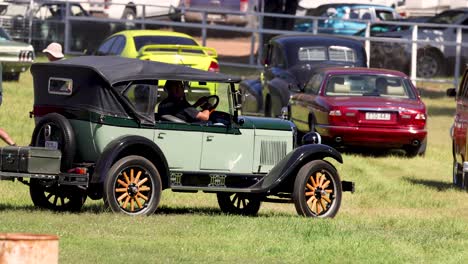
252,99
131,145
278,89
288,167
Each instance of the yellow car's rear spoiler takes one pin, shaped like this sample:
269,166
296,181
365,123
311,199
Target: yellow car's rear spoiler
157,48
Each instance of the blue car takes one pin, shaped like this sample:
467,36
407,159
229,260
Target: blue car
338,18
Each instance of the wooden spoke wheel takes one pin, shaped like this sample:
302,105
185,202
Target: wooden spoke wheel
239,203
48,195
317,190
133,186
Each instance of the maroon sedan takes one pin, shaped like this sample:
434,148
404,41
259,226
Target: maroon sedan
362,107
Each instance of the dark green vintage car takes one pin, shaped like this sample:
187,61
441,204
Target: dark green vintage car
118,148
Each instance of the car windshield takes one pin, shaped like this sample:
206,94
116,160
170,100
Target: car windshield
141,41
369,85
448,17
321,53
4,35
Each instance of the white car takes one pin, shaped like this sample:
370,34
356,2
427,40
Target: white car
131,9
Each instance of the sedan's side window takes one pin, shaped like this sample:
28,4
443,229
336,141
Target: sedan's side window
104,49
313,87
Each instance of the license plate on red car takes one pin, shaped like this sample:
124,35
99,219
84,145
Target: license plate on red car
377,116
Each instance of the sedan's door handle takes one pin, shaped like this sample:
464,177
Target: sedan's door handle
209,138
161,135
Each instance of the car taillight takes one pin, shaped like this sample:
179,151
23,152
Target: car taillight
107,4
214,67
419,120
244,5
335,117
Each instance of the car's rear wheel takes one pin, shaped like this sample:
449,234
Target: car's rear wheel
457,174
133,186
317,190
430,64
48,195
239,203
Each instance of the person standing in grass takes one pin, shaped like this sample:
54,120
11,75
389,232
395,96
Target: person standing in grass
53,51
3,134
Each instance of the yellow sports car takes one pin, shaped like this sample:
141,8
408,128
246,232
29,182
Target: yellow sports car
164,46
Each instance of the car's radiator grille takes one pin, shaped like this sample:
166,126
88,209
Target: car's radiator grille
271,152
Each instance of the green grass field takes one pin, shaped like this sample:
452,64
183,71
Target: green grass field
403,211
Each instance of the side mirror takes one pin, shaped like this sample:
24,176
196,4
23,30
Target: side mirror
451,92
311,138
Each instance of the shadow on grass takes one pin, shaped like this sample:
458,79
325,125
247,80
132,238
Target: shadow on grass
372,152
441,111
438,185
433,94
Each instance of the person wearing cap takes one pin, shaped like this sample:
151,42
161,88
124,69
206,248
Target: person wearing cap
53,51
176,104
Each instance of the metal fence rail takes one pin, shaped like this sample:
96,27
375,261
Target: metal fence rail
31,29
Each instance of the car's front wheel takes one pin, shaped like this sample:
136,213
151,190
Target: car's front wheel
317,190
133,186
239,203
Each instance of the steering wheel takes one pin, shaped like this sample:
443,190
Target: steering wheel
206,99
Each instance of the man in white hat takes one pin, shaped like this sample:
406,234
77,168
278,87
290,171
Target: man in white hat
53,51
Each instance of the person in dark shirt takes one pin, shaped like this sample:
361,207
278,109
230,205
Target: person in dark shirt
176,104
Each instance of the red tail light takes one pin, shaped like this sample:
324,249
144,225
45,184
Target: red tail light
214,67
414,119
336,117
244,5
107,4
419,120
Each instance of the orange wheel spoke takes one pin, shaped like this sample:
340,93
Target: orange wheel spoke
142,196
325,185
322,179
317,178
124,206
132,205
142,181
310,187
138,202
126,177
131,175
328,191
144,189
309,202
309,193
122,196
326,199
322,204
137,178
319,208
314,204
313,181
121,190
122,183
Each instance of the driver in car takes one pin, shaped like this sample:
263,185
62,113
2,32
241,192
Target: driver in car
176,104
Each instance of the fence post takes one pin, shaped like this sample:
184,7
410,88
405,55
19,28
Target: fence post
252,45
414,53
204,29
30,15
260,38
315,26
143,25
367,43
457,57
67,28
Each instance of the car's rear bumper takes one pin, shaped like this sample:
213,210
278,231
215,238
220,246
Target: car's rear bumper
15,66
371,136
238,20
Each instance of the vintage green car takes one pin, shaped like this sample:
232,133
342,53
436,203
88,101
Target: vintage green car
118,148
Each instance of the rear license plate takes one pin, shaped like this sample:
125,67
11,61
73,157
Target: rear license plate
377,116
51,144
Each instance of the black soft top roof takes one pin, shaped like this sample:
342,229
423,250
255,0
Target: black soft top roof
114,69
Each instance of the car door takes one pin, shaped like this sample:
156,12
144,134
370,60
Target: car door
227,149
460,124
303,105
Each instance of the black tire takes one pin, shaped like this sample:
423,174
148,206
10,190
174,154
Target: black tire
321,199
239,203
61,131
268,110
430,64
124,190
457,178
48,195
412,151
